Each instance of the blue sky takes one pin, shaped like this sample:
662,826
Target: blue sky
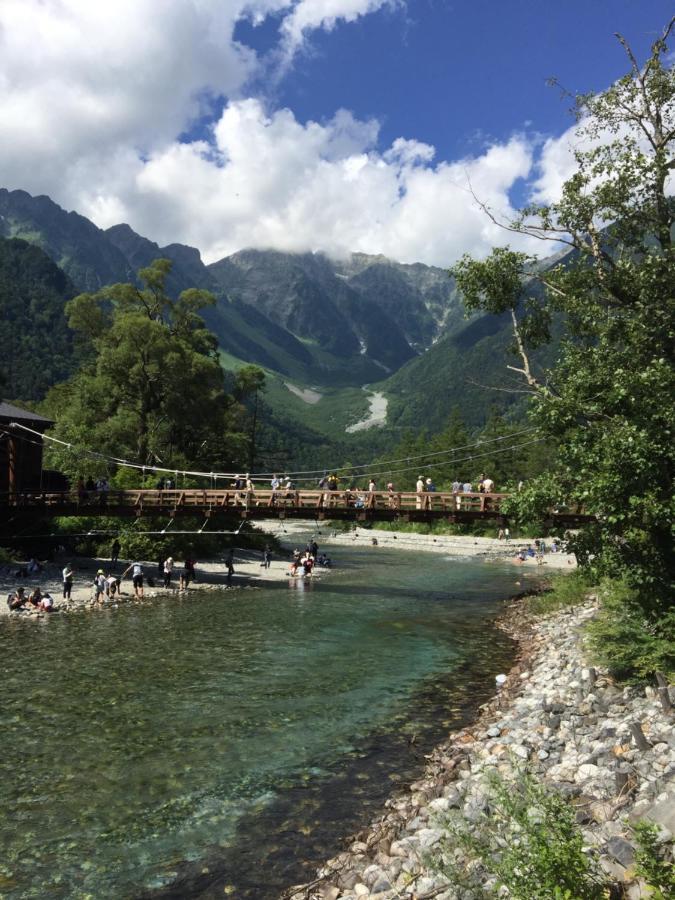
332,125
456,73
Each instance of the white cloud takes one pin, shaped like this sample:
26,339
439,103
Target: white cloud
309,15
273,182
94,98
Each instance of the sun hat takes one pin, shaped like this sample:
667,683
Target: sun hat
100,572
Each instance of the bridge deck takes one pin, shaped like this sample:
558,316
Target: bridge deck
266,504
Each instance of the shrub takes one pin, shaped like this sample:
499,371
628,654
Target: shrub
527,841
651,862
632,642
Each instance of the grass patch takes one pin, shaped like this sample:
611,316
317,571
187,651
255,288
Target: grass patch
562,590
337,408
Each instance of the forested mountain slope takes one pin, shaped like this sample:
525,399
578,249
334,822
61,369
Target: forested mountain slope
37,345
311,321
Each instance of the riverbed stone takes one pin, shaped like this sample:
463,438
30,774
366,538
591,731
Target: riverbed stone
621,850
575,740
586,771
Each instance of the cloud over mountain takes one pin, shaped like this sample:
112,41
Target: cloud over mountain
96,100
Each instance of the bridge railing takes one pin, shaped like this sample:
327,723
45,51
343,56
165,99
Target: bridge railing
212,500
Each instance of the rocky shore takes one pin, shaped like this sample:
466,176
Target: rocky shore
571,727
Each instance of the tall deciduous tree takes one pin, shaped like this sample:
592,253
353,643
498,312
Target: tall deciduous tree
151,387
609,400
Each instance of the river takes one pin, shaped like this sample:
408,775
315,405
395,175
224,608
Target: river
224,743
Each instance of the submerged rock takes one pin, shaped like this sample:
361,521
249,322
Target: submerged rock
574,743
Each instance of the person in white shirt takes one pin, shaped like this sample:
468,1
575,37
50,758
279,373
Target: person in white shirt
168,569
136,570
99,586
67,581
419,487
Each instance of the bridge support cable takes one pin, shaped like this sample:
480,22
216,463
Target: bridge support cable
213,476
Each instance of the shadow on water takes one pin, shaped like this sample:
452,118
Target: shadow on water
308,821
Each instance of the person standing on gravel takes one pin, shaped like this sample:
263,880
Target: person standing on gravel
229,565
67,581
136,570
168,569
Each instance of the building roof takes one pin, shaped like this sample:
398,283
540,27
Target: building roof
15,414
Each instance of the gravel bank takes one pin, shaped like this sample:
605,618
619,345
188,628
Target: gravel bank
465,546
211,576
571,731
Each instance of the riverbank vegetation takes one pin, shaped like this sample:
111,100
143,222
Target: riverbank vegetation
529,840
608,403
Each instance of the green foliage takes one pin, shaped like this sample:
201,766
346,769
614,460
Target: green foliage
37,345
150,388
94,537
652,863
561,590
609,401
632,641
528,840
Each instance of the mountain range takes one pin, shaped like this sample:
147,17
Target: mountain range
322,328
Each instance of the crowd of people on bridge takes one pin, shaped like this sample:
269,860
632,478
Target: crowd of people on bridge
352,492
340,491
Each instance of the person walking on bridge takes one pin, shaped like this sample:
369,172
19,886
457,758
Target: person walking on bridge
419,488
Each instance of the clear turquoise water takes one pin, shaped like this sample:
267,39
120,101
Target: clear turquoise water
182,747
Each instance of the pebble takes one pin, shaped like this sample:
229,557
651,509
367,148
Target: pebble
578,743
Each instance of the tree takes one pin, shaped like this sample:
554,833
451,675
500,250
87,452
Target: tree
608,401
249,382
150,387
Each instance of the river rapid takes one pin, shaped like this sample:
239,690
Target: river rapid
224,743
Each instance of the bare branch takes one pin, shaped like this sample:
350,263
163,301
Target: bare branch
530,230
526,371
505,390
629,53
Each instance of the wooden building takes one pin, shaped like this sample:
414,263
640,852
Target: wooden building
21,451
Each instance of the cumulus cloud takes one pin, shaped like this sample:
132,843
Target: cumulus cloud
95,96
270,181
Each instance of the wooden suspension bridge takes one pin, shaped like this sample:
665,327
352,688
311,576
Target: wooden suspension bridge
375,506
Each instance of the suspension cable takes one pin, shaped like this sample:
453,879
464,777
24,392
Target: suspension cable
263,475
